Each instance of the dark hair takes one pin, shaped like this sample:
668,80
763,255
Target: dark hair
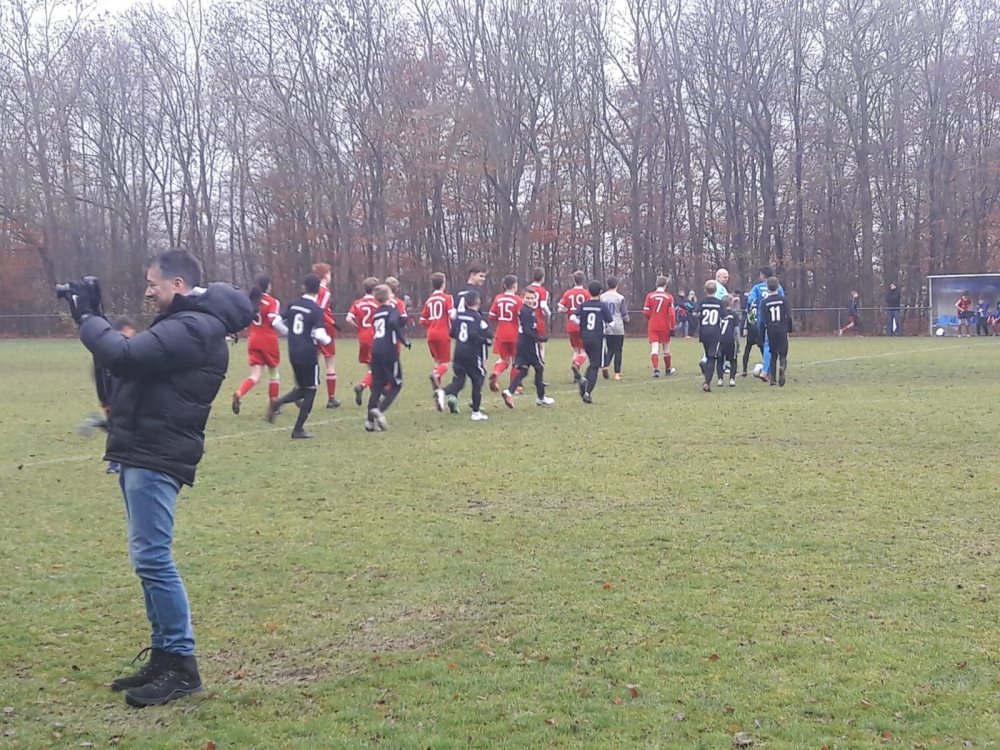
538,275
579,277
595,288
179,264
612,282
471,298
260,284
311,284
122,322
508,281
437,280
476,267
369,284
767,272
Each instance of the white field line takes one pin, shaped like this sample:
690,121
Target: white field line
360,414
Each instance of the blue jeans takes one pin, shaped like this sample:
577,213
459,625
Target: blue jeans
150,503
895,327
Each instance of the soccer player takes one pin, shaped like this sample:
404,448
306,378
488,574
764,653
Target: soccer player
397,301
262,348
505,310
387,376
571,300
854,320
436,318
591,317
659,311
529,352
306,326
614,332
982,317
360,316
472,337
730,325
777,321
476,280
751,331
709,312
754,301
543,312
329,350
964,308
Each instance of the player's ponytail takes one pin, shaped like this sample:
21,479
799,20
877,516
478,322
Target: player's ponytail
261,284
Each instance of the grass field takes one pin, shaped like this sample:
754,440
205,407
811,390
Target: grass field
804,567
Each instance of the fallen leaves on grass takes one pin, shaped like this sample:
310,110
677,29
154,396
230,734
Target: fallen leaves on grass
713,657
742,739
679,716
453,665
608,586
240,674
866,703
552,722
886,735
633,690
271,626
618,700
208,746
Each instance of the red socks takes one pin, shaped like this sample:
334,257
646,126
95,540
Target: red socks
666,361
499,367
579,359
441,369
656,361
331,385
244,389
274,388
366,381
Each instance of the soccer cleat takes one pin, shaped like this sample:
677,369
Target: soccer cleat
439,399
369,426
582,385
587,399
272,410
236,403
544,401
358,390
494,381
841,333
178,678
671,370
618,376
453,405
478,416
719,383
781,377
576,372
301,435
732,382
147,672
744,373
508,399
706,387
332,403
656,373
379,419
605,373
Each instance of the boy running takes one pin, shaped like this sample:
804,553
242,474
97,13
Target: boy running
543,312
306,330
709,312
475,283
529,353
436,318
329,350
262,348
571,300
659,311
591,317
853,319
472,337
777,325
387,376
614,332
505,310
360,316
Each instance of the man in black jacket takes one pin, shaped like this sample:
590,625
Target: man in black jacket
892,302
168,376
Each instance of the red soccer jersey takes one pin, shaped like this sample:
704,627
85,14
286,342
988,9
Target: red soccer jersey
570,301
504,311
362,311
323,299
400,305
542,312
262,333
436,316
963,304
659,311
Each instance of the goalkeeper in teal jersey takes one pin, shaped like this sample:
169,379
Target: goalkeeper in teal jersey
755,301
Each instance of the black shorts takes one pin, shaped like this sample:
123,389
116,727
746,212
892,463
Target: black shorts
595,349
965,315
525,359
779,343
713,349
727,350
385,371
753,335
306,375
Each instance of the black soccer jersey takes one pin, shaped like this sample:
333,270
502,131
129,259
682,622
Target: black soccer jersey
387,324
472,336
593,315
460,297
729,326
302,317
710,311
776,316
528,338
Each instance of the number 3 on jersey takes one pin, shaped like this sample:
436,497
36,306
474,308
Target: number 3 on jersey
380,328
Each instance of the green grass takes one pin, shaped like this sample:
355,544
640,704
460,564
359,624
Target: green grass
811,566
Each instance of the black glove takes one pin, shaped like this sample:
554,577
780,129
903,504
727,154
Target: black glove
84,298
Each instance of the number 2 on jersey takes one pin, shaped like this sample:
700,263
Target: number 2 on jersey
710,317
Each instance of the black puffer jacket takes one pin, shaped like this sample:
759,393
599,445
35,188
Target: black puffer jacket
169,376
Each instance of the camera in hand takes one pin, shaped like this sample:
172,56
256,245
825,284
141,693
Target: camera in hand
83,296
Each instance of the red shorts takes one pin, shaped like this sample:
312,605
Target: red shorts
541,326
574,340
505,349
659,337
440,349
328,350
270,357
365,352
